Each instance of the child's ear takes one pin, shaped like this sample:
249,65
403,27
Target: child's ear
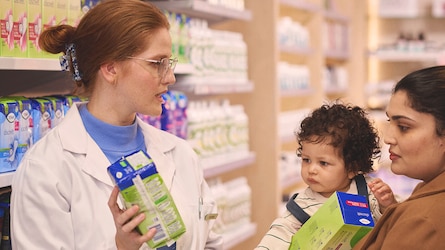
352,174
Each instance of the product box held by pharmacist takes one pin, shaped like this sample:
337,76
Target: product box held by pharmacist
339,224
140,183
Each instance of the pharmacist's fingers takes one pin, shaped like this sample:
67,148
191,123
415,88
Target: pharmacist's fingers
148,235
128,221
112,202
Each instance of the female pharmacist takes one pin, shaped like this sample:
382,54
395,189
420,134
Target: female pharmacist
62,198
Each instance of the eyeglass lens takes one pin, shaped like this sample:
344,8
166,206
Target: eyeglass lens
165,65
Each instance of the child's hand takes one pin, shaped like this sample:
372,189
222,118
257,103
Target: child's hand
382,193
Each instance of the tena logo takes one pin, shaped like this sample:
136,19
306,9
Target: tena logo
25,114
10,117
46,116
58,113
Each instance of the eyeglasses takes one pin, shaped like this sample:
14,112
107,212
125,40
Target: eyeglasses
163,65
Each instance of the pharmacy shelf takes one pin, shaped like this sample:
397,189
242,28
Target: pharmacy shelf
303,5
239,235
202,9
296,92
42,64
296,50
335,16
397,56
291,181
6,179
337,55
212,85
214,166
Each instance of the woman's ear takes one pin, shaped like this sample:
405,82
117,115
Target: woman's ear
109,72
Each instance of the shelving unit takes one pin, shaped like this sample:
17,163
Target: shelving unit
389,63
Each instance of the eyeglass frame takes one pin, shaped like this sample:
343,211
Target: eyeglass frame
172,62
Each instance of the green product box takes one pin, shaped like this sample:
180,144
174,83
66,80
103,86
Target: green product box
49,19
338,225
19,29
6,28
35,28
140,183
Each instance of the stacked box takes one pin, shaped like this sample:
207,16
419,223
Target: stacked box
74,12
48,20
9,131
57,110
62,11
6,25
20,29
24,120
35,27
40,117
339,224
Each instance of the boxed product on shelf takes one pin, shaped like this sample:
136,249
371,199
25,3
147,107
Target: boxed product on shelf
74,12
7,21
8,135
20,29
34,27
62,11
41,118
24,126
139,183
339,224
48,20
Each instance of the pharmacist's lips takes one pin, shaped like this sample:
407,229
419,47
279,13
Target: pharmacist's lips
160,94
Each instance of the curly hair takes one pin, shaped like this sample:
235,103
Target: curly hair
347,129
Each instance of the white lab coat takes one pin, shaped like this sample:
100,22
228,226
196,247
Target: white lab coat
61,189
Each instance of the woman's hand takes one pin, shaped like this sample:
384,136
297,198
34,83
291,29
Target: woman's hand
126,221
382,193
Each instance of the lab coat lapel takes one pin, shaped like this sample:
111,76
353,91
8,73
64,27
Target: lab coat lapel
164,165
158,147
75,139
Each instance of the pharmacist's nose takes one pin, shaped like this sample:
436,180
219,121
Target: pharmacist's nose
169,78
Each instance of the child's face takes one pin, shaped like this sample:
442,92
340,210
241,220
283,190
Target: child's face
323,170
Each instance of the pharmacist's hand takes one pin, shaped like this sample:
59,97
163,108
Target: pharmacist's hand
382,193
127,238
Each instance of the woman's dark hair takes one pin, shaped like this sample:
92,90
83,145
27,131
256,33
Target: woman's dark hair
110,31
425,89
347,129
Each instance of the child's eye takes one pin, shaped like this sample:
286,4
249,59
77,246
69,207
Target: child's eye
305,160
323,163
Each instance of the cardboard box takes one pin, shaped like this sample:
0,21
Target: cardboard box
49,19
6,25
74,12
339,224
35,27
139,183
20,29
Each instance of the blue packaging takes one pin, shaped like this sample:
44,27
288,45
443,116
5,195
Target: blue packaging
25,131
167,117
57,110
41,118
9,131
